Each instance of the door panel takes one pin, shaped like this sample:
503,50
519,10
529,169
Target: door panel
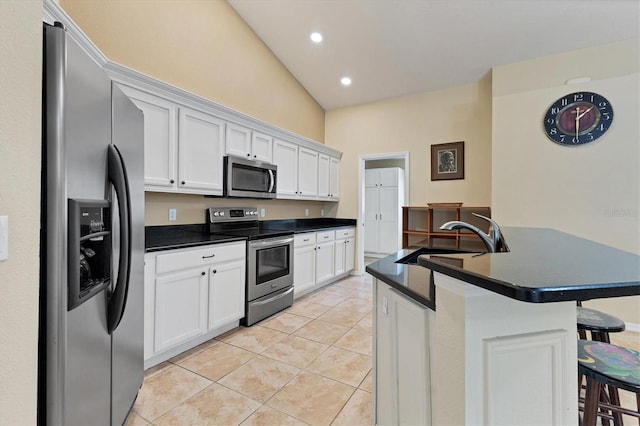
371,233
226,293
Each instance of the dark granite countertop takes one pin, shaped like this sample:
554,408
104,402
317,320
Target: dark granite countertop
158,238
402,272
545,265
170,237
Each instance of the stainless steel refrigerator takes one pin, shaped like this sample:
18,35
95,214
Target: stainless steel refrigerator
92,242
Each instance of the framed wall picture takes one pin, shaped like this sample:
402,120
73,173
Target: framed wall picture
447,161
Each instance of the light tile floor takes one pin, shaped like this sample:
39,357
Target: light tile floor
310,364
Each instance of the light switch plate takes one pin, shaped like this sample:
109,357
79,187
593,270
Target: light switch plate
263,212
4,237
172,214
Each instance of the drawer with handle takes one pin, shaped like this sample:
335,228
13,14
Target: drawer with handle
307,239
345,233
193,258
324,236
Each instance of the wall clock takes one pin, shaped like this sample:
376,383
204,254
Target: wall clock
578,118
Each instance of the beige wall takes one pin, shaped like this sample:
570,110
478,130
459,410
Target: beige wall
592,190
413,124
191,208
202,47
20,104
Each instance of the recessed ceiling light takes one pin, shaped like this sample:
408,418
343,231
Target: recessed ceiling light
316,37
346,81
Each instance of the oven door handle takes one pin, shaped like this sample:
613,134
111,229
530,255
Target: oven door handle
271,299
272,180
271,242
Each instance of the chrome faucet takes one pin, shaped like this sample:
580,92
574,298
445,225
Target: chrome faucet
491,240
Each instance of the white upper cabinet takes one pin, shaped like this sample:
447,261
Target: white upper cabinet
261,147
324,164
334,179
200,151
285,156
307,172
243,142
188,161
328,177
160,140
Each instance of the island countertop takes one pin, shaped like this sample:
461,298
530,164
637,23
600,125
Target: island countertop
545,265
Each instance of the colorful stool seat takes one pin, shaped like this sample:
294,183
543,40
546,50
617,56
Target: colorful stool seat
604,363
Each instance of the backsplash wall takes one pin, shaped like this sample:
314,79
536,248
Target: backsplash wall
190,209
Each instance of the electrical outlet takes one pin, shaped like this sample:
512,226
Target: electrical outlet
321,212
263,212
306,212
172,214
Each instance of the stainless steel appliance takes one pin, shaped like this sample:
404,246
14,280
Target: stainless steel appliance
90,359
249,178
269,260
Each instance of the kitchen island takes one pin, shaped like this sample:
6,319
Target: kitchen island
497,344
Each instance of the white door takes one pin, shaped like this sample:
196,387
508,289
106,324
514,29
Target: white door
304,268
285,156
261,147
160,139
350,254
307,172
371,225
334,178
226,293
324,165
238,140
200,152
324,262
388,220
339,260
181,308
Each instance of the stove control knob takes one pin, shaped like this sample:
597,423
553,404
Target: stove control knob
221,213
216,213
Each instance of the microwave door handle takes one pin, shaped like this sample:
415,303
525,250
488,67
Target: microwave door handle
272,180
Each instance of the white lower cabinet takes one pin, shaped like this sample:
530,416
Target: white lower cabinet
401,359
226,297
181,307
322,257
191,295
304,263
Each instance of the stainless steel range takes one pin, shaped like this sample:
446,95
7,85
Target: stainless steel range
269,260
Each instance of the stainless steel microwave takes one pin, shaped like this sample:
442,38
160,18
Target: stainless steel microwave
249,178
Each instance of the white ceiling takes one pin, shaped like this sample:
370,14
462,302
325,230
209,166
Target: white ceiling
398,47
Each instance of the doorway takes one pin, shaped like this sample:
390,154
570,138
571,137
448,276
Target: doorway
380,161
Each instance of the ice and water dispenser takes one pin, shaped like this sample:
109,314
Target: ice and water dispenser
89,248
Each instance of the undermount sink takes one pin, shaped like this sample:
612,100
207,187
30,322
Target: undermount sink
413,257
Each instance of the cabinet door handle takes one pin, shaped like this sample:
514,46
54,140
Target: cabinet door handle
209,257
182,182
215,271
380,216
172,181
202,273
306,239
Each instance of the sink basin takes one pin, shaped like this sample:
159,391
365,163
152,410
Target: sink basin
413,257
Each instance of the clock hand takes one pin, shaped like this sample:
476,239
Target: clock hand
579,116
578,121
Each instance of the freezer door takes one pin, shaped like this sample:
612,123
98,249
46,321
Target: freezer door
75,383
127,338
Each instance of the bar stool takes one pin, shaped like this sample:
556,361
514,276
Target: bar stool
598,323
606,364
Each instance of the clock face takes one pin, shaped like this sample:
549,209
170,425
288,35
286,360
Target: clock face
578,118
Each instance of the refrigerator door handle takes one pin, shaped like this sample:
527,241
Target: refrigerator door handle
118,177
